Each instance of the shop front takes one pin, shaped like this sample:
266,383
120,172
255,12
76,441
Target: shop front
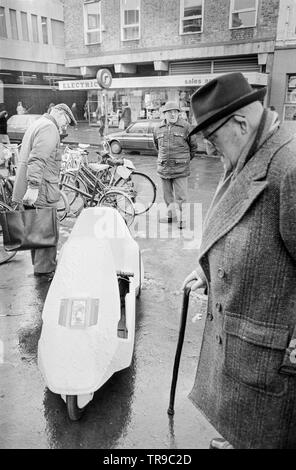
283,83
290,98
144,95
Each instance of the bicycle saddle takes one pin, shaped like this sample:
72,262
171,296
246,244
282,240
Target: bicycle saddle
98,166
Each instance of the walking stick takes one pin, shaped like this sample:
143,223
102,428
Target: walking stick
186,294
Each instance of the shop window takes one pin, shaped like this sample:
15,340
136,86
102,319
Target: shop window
191,16
3,29
13,23
130,20
24,22
290,101
57,28
35,34
291,89
243,13
92,22
44,29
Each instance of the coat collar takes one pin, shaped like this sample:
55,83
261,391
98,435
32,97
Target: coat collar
164,123
242,192
48,116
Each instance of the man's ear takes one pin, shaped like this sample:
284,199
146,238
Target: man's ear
244,125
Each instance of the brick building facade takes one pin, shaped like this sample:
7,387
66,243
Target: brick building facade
159,50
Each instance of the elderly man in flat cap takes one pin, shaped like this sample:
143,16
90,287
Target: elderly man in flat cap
175,150
37,178
246,376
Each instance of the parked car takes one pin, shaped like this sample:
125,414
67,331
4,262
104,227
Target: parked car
19,123
138,136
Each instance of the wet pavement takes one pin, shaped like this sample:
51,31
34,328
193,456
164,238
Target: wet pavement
130,410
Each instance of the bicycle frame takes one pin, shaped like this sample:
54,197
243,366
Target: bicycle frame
11,157
89,196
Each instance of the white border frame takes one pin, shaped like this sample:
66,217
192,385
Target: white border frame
232,10
86,30
122,26
182,17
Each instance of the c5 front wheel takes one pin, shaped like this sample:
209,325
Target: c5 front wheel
74,412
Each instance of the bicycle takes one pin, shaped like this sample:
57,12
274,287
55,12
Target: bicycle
5,256
112,173
94,193
9,156
139,186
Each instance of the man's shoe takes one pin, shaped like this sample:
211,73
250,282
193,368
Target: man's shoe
220,443
46,276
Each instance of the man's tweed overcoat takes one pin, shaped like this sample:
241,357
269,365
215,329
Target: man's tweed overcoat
246,377
40,162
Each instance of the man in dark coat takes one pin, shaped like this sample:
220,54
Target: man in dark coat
246,376
126,115
175,150
3,124
37,177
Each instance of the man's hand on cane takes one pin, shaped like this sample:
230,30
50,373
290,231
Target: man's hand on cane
194,277
30,197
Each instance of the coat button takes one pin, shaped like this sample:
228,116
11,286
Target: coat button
218,339
221,273
219,307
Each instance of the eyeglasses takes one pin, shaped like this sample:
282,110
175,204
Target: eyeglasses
172,111
208,136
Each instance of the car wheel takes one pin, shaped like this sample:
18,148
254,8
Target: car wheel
115,147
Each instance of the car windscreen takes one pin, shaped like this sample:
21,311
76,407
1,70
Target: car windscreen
21,120
138,128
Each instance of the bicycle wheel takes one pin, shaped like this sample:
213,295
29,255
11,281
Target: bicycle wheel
5,256
76,201
62,206
6,189
141,189
121,202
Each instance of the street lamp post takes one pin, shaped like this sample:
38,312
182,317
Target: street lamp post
104,79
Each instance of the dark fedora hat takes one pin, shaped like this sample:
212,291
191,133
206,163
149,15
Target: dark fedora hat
220,97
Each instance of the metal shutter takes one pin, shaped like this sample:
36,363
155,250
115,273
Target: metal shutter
190,67
236,64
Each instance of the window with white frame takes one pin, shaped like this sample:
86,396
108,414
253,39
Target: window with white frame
92,21
191,16
13,23
130,20
243,13
44,28
35,33
25,29
3,29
